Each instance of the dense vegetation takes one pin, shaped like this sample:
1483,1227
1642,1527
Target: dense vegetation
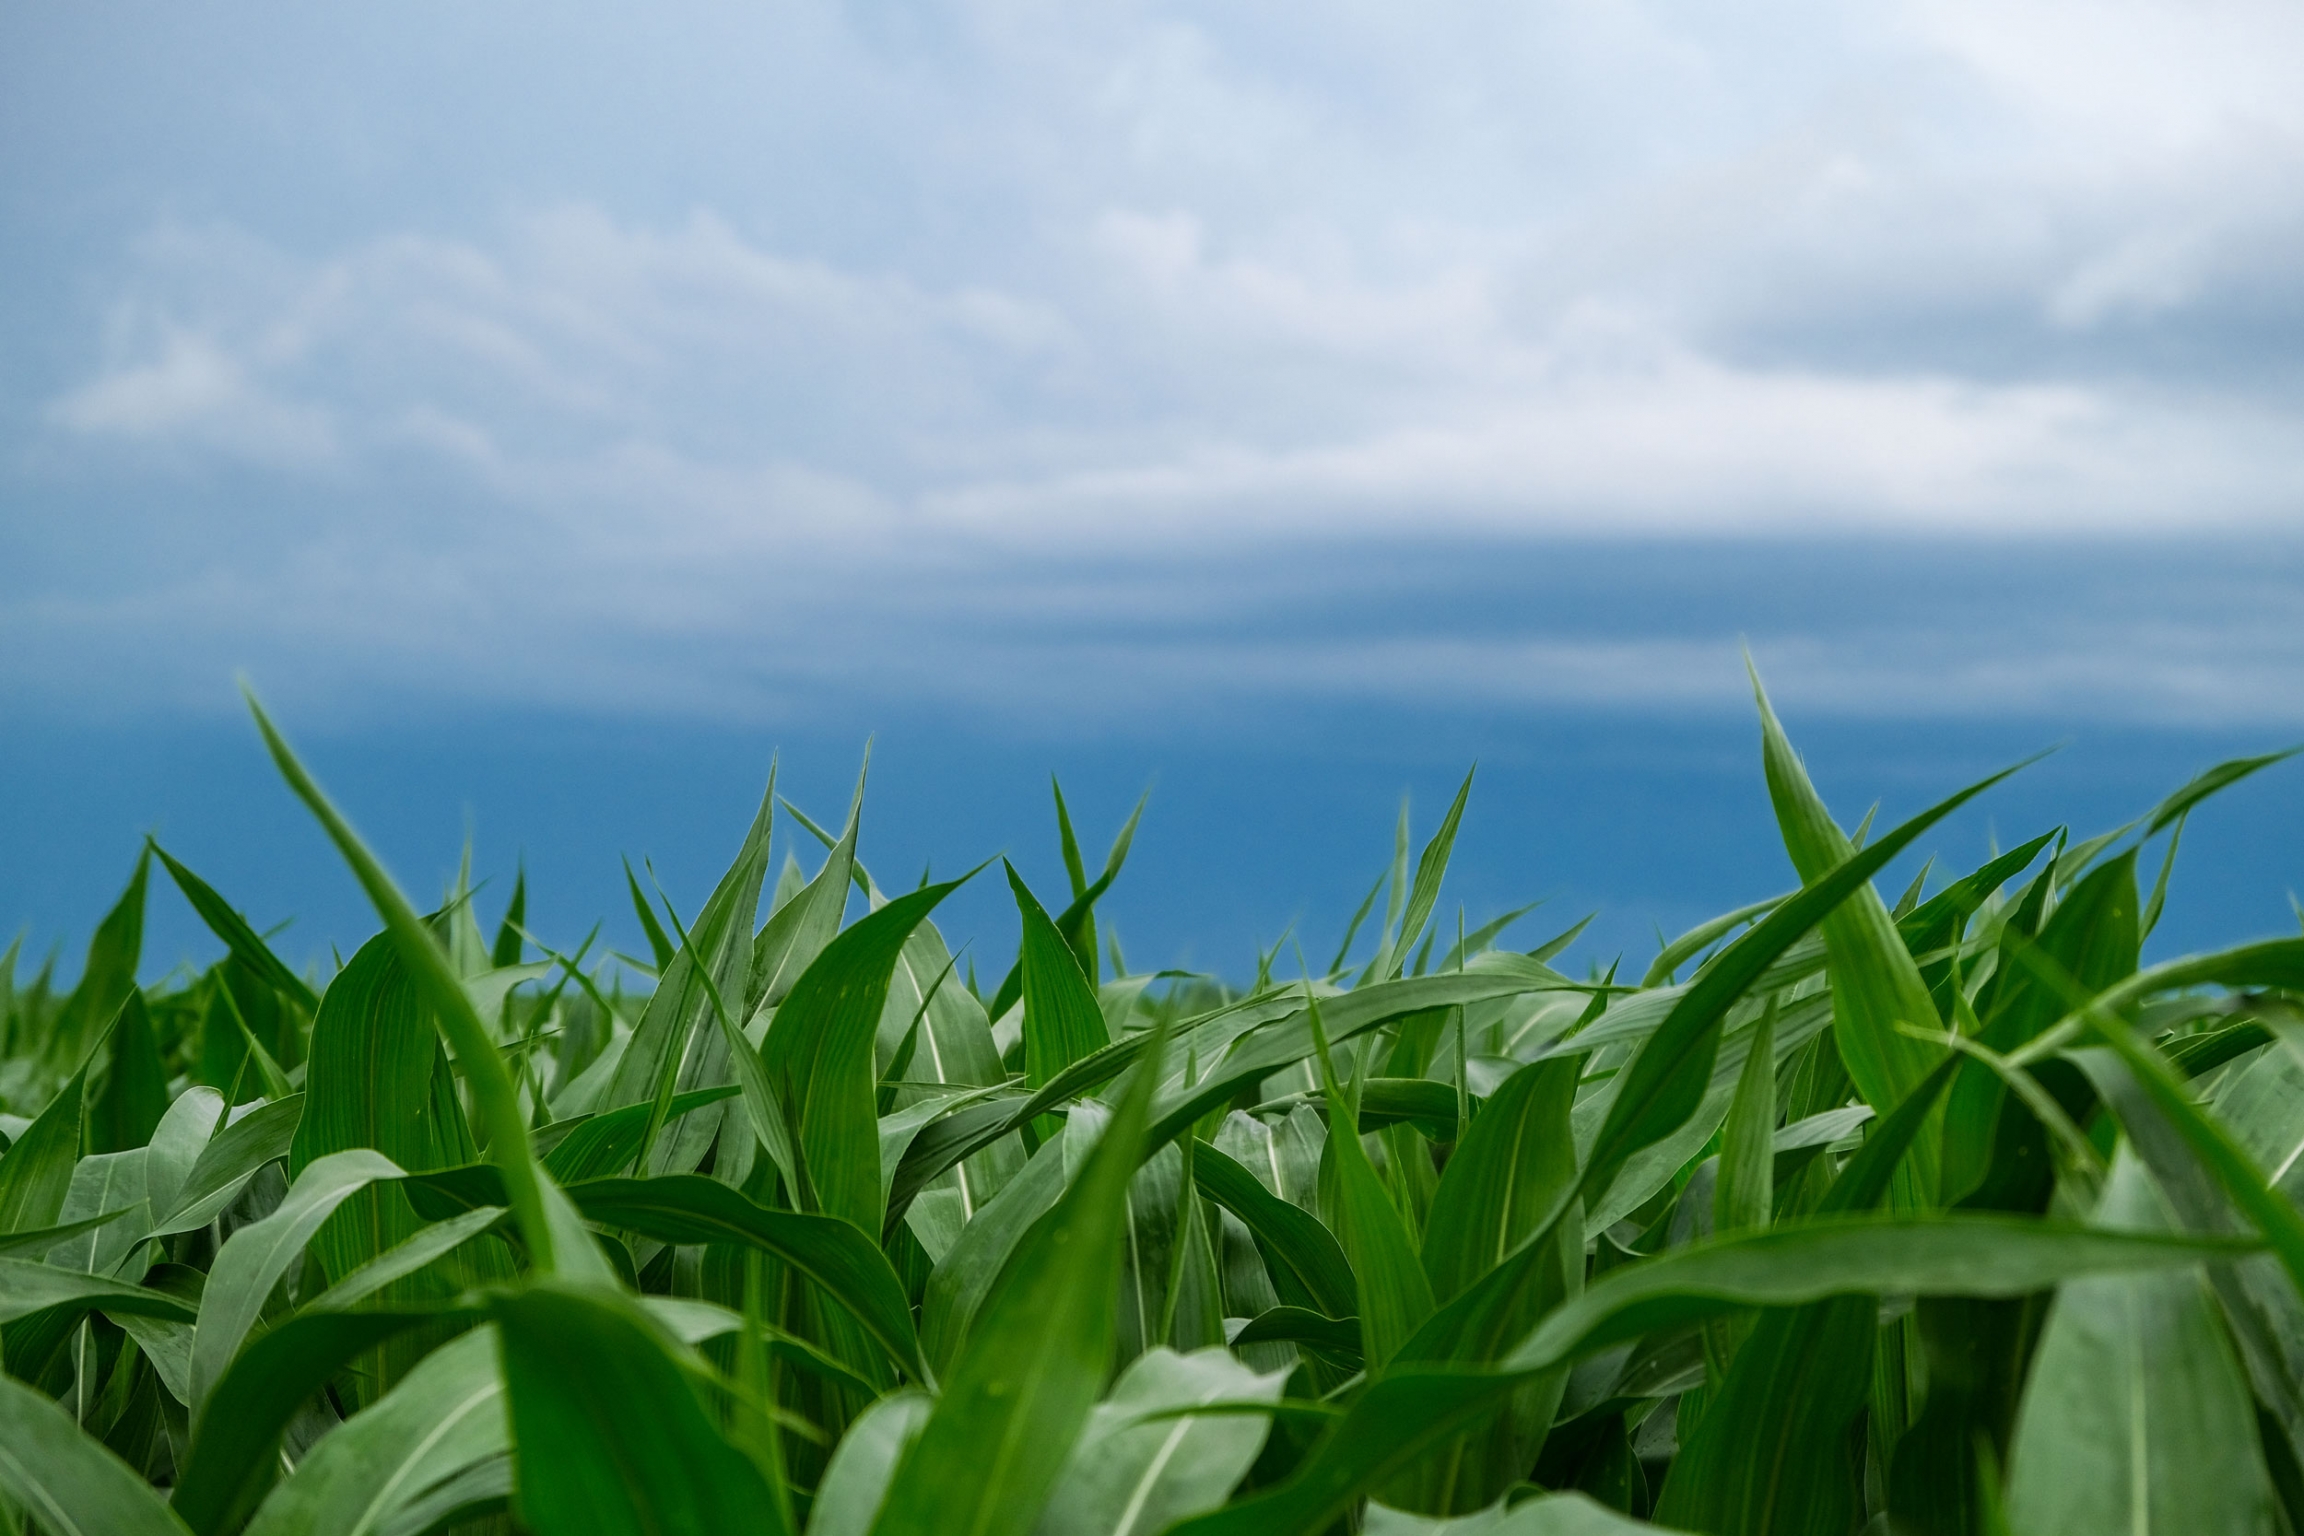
1933,1215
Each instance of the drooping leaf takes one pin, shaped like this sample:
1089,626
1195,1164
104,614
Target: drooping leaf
847,1265
243,941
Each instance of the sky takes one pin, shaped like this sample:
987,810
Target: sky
556,410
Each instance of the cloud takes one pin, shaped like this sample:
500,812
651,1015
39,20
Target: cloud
969,298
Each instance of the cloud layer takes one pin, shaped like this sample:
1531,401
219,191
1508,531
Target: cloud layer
740,356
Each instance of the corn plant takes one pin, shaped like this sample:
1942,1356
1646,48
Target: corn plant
1937,1215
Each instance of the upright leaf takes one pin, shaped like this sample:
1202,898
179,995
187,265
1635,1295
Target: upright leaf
611,1437
1035,1362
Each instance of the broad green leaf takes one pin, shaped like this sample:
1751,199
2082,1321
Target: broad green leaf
502,1123
612,1437
228,1159
67,1481
1504,1178
1558,1514
1294,1243
127,1109
27,1286
599,1144
257,1255
1395,1293
36,1172
856,1480
41,1239
677,1046
108,976
1876,986
378,1078
818,1055
107,1181
177,1143
1771,1451
446,1415
428,1244
1131,1474
689,1208
1035,1361
236,1435
797,931
964,1277
2092,936
2136,1417
1413,1407
242,940
1062,1023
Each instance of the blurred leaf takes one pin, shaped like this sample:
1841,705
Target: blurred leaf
2137,1417
37,1170
73,1486
857,1479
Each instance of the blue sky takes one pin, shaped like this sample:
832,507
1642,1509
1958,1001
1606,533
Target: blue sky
1144,387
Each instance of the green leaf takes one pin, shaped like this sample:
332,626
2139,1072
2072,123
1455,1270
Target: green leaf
1558,1514
2093,937
506,950
598,1144
2207,783
677,1047
1293,1241
27,1286
498,1104
128,1107
1338,1337
1062,1023
108,977
847,1265
228,1160
856,1480
257,1255
1395,1293
1745,1194
611,1435
41,1239
797,931
1132,1474
428,1244
659,946
818,1056
1035,1361
377,1077
2136,1417
1876,986
1414,1407
447,1415
72,1485
236,1435
1431,868
242,940
36,1172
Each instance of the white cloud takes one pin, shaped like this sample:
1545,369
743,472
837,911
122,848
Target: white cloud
954,294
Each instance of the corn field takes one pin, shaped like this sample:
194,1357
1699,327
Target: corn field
1935,1214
